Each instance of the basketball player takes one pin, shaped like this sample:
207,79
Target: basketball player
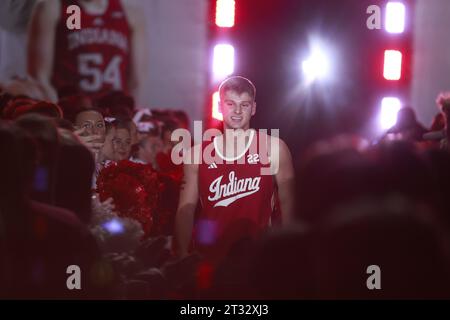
107,53
236,198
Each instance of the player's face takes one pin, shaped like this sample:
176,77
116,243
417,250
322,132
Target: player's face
237,109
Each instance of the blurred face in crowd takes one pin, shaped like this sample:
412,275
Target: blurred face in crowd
107,151
141,136
133,133
237,109
167,142
149,148
121,144
166,137
93,124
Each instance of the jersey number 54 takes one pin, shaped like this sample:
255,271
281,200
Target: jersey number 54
89,66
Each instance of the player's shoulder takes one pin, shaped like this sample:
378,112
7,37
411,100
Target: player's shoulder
266,134
273,141
129,4
134,10
278,141
132,3
48,9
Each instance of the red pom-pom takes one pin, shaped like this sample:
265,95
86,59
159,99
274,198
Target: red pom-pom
135,189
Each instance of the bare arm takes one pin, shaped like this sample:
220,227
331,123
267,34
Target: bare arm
184,219
285,179
139,50
41,45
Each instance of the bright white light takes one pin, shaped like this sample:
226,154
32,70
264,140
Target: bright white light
114,226
223,61
225,13
317,66
215,107
392,65
388,114
395,17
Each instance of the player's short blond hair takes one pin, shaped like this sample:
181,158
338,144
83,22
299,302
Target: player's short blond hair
238,84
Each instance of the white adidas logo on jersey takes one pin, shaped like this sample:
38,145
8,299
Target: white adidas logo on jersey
212,166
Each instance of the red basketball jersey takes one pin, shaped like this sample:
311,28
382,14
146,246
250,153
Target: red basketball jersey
236,197
95,58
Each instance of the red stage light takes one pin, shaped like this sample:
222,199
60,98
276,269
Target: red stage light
392,65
